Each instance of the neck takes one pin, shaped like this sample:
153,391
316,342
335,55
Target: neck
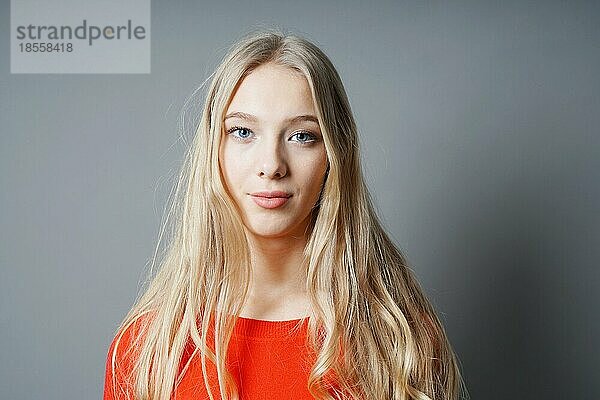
278,283
276,262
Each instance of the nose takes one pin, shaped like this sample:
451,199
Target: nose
272,162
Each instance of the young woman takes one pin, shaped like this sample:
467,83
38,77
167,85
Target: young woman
279,281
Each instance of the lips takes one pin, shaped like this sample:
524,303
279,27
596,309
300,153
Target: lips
270,199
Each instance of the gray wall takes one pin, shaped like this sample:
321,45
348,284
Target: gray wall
480,142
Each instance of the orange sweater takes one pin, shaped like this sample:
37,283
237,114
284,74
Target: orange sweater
268,359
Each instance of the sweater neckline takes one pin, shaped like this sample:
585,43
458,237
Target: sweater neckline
259,328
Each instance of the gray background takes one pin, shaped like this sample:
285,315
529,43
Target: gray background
480,141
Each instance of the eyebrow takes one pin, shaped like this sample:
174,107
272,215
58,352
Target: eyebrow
250,117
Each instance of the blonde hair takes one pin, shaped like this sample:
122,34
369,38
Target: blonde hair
372,327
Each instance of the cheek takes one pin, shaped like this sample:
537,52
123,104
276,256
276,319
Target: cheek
316,176
321,166
236,168
229,164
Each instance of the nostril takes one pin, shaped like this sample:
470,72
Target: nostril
272,171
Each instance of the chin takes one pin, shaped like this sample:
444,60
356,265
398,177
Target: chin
268,233
273,226
263,230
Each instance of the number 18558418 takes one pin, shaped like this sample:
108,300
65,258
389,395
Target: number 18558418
45,47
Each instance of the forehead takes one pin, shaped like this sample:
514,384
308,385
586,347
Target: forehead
272,91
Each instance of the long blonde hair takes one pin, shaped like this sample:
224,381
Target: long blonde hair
372,327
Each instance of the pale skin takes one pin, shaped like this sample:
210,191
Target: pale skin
273,142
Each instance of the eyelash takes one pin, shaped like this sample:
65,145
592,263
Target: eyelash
312,137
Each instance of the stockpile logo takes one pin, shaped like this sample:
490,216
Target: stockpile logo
80,36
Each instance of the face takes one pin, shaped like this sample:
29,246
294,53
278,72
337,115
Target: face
272,154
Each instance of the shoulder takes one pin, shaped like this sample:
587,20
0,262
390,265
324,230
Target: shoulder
122,356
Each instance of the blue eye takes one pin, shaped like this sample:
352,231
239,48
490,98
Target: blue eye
239,132
303,137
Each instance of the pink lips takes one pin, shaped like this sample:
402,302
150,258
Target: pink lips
270,199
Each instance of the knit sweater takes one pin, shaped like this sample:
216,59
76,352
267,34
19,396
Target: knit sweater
268,360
